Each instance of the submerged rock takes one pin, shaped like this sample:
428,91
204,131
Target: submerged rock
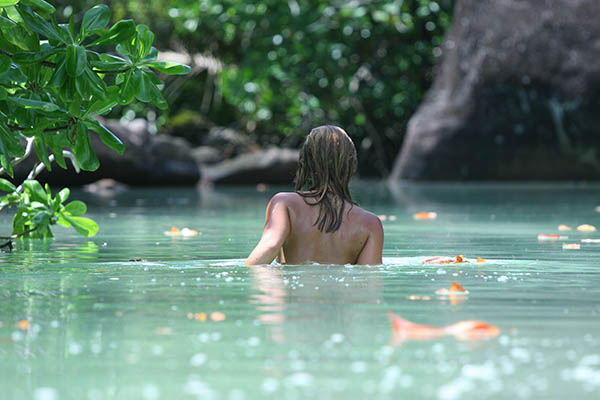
515,96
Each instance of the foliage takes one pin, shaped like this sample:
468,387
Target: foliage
54,79
37,210
292,65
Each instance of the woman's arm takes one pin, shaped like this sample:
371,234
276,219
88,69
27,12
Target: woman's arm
371,251
277,229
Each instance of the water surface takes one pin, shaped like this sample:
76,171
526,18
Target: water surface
120,316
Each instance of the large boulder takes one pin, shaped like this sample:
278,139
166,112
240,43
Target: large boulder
148,160
516,95
272,166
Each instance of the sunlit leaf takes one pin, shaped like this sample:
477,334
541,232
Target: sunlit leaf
6,186
117,33
36,23
96,17
34,104
36,191
83,226
42,5
7,3
76,208
169,67
107,137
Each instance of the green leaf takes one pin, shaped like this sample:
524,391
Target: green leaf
64,194
13,14
144,40
4,64
76,208
42,5
76,60
42,151
45,52
96,17
36,23
56,142
6,186
59,77
151,55
142,86
83,149
63,222
128,89
109,62
96,84
157,98
5,157
105,103
8,3
34,104
168,67
17,36
107,137
120,31
36,191
83,226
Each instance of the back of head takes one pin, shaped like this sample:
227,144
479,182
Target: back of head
327,163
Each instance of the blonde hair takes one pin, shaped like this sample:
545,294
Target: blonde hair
327,163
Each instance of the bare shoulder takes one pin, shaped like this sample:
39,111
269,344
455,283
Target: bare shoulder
288,198
367,219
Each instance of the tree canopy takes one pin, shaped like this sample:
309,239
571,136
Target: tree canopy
292,65
54,80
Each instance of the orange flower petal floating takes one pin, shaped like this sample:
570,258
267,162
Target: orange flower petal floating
543,237
217,316
455,288
586,228
463,330
183,232
173,232
459,259
198,316
422,215
571,246
480,260
563,227
23,324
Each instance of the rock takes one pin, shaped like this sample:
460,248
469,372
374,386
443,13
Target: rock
230,142
272,166
515,96
206,155
148,160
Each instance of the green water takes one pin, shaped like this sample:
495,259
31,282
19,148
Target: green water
104,327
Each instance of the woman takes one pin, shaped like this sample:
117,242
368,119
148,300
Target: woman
319,222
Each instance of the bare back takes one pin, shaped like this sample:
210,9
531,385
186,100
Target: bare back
305,243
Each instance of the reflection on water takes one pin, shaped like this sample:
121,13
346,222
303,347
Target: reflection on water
79,320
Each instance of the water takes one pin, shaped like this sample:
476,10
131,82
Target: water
103,327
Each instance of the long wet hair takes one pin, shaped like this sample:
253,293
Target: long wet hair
327,163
